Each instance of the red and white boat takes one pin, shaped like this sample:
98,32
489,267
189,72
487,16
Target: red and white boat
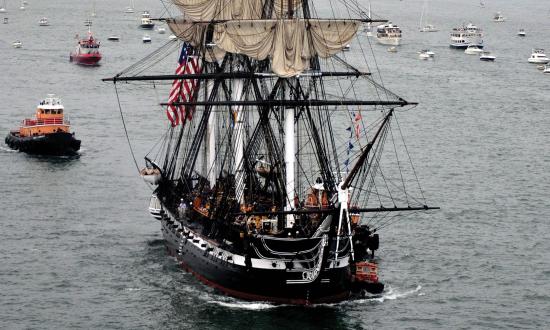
87,51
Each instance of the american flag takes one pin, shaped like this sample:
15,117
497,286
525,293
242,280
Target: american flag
183,90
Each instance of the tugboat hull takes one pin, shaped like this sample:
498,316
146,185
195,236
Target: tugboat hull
85,59
55,144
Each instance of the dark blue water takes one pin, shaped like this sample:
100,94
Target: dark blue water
79,250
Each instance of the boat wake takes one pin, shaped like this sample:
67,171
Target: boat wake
4,149
392,294
255,306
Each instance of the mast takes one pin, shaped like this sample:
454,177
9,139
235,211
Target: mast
211,145
237,113
290,151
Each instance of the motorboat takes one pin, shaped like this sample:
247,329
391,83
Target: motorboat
146,39
3,9
498,17
48,133
6,20
161,30
429,28
388,34
426,54
86,51
521,33
88,22
473,50
464,36
486,56
113,38
146,22
546,69
22,7
17,44
346,48
538,56
392,49
43,21
172,37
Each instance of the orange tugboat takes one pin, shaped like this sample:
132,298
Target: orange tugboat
47,134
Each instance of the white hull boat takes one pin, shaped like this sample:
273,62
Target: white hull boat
473,50
538,57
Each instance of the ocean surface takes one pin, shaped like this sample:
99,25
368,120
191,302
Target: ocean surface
78,248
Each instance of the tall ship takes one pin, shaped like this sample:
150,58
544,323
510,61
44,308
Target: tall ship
464,36
86,51
388,34
49,133
268,180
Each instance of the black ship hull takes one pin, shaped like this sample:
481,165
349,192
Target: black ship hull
258,280
54,144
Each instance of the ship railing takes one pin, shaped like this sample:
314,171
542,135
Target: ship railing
45,122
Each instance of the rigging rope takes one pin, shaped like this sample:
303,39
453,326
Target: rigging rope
125,130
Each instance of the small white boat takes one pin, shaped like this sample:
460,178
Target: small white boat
3,9
130,9
538,57
113,38
429,28
146,39
22,7
5,20
546,69
498,17
346,48
161,30
43,22
426,54
17,44
521,33
486,56
473,50
172,37
392,49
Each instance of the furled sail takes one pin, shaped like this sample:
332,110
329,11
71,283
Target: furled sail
208,10
290,43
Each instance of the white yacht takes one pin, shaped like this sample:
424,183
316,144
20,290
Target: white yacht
473,50
146,22
146,39
43,21
426,54
462,37
498,17
429,28
487,57
426,27
538,57
521,32
130,9
388,34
